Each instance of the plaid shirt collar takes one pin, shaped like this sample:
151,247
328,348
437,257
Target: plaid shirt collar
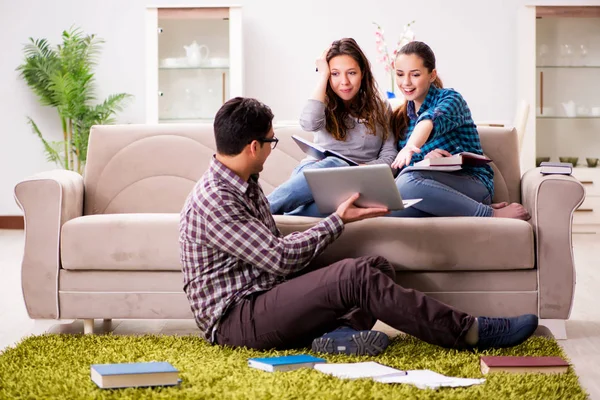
221,171
427,103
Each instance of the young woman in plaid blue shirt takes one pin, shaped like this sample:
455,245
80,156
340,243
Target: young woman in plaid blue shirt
436,122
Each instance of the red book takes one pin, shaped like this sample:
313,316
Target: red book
543,365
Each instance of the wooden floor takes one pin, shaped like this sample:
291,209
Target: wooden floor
583,328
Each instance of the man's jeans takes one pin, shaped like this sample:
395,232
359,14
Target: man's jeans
295,192
352,292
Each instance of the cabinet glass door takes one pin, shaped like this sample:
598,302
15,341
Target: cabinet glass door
193,63
568,83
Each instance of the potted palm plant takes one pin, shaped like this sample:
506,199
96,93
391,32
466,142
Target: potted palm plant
62,77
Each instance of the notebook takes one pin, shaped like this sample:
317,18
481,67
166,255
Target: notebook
284,363
111,376
318,152
375,183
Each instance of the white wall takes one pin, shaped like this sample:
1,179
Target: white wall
474,40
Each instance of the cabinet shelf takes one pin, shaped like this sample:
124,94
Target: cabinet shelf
578,117
569,66
194,68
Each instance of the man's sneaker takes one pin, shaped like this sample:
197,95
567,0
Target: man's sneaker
505,332
349,341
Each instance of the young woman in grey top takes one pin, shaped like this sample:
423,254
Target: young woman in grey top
347,115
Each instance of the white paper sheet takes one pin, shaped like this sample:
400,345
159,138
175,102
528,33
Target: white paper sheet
423,379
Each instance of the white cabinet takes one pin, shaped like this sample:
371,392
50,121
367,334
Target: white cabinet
194,62
587,217
558,72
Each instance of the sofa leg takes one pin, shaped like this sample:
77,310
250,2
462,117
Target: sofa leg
557,327
88,326
107,325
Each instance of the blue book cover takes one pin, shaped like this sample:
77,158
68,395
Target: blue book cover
134,368
285,363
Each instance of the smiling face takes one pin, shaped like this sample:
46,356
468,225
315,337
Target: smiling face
345,78
413,78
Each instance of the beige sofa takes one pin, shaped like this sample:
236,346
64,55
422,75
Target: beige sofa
105,245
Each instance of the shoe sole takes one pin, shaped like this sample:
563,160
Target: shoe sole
361,343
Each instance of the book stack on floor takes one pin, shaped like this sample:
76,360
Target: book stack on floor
560,168
113,376
513,364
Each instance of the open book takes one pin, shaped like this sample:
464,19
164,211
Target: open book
423,379
318,152
460,159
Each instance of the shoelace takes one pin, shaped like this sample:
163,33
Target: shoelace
492,328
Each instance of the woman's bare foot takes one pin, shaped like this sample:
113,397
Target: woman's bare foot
497,206
513,210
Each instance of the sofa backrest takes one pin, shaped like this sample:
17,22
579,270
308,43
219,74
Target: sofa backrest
141,168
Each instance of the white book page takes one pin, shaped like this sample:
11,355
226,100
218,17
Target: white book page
367,369
427,379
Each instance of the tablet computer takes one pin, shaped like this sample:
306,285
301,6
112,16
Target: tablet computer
375,183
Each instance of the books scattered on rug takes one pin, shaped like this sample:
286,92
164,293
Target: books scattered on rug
423,379
560,168
543,365
452,163
284,363
318,152
112,376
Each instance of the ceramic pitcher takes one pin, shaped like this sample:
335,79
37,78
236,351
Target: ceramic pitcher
196,53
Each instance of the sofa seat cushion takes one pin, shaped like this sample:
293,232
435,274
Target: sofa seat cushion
149,242
431,244
146,242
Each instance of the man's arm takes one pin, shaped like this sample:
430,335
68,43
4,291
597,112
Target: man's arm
238,233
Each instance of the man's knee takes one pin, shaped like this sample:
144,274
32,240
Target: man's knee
363,265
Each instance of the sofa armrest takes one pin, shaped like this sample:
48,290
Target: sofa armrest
48,200
551,200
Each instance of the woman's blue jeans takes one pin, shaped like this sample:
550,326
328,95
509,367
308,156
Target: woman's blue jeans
295,192
444,194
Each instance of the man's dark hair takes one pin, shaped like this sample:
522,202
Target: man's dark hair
240,121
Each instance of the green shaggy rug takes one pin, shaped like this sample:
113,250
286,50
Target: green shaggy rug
58,366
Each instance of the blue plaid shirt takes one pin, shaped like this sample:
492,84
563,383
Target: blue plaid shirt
453,129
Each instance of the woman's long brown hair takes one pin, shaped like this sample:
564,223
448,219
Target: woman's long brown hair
399,119
367,105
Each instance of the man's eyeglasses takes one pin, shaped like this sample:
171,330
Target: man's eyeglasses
273,141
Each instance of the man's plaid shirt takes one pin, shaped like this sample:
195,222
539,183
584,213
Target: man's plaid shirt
230,246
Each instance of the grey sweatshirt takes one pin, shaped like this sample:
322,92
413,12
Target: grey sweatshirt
360,146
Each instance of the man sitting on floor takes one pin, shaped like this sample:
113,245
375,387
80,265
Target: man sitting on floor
250,286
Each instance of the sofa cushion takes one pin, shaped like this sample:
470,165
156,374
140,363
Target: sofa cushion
150,242
431,244
121,242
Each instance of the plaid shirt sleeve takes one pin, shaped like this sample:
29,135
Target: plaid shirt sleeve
449,113
242,235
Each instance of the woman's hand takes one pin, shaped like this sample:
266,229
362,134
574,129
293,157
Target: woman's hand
405,156
323,65
438,153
